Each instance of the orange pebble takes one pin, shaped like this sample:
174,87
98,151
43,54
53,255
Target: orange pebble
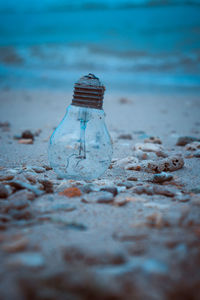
71,192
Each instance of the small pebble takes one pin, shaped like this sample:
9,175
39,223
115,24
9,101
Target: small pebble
132,178
25,141
124,161
194,146
162,177
98,197
153,139
105,198
38,169
197,154
47,184
184,140
110,189
47,168
30,177
124,100
154,190
71,192
148,147
4,192
6,177
88,188
122,199
127,184
27,134
125,136
144,155
133,167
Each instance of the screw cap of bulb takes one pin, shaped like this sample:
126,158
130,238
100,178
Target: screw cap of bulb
88,92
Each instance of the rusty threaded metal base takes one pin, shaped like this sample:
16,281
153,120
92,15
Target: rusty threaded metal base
88,92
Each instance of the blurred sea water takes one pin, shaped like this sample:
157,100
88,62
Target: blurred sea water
131,45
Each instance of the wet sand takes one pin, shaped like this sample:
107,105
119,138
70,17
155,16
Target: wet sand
140,244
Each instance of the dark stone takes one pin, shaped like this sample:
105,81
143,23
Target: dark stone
168,192
27,134
154,190
184,140
197,154
38,169
125,137
47,184
6,177
143,190
127,184
47,168
162,177
110,189
132,178
4,193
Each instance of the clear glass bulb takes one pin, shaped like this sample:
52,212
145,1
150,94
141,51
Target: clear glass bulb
80,147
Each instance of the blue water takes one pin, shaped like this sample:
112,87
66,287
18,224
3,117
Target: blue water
130,44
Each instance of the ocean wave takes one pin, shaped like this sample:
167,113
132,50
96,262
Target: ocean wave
59,65
68,57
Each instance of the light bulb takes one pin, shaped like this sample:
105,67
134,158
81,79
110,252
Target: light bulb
80,147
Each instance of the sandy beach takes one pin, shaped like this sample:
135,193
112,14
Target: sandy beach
126,236
134,232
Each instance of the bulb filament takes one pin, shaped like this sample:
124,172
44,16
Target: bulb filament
82,148
83,118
